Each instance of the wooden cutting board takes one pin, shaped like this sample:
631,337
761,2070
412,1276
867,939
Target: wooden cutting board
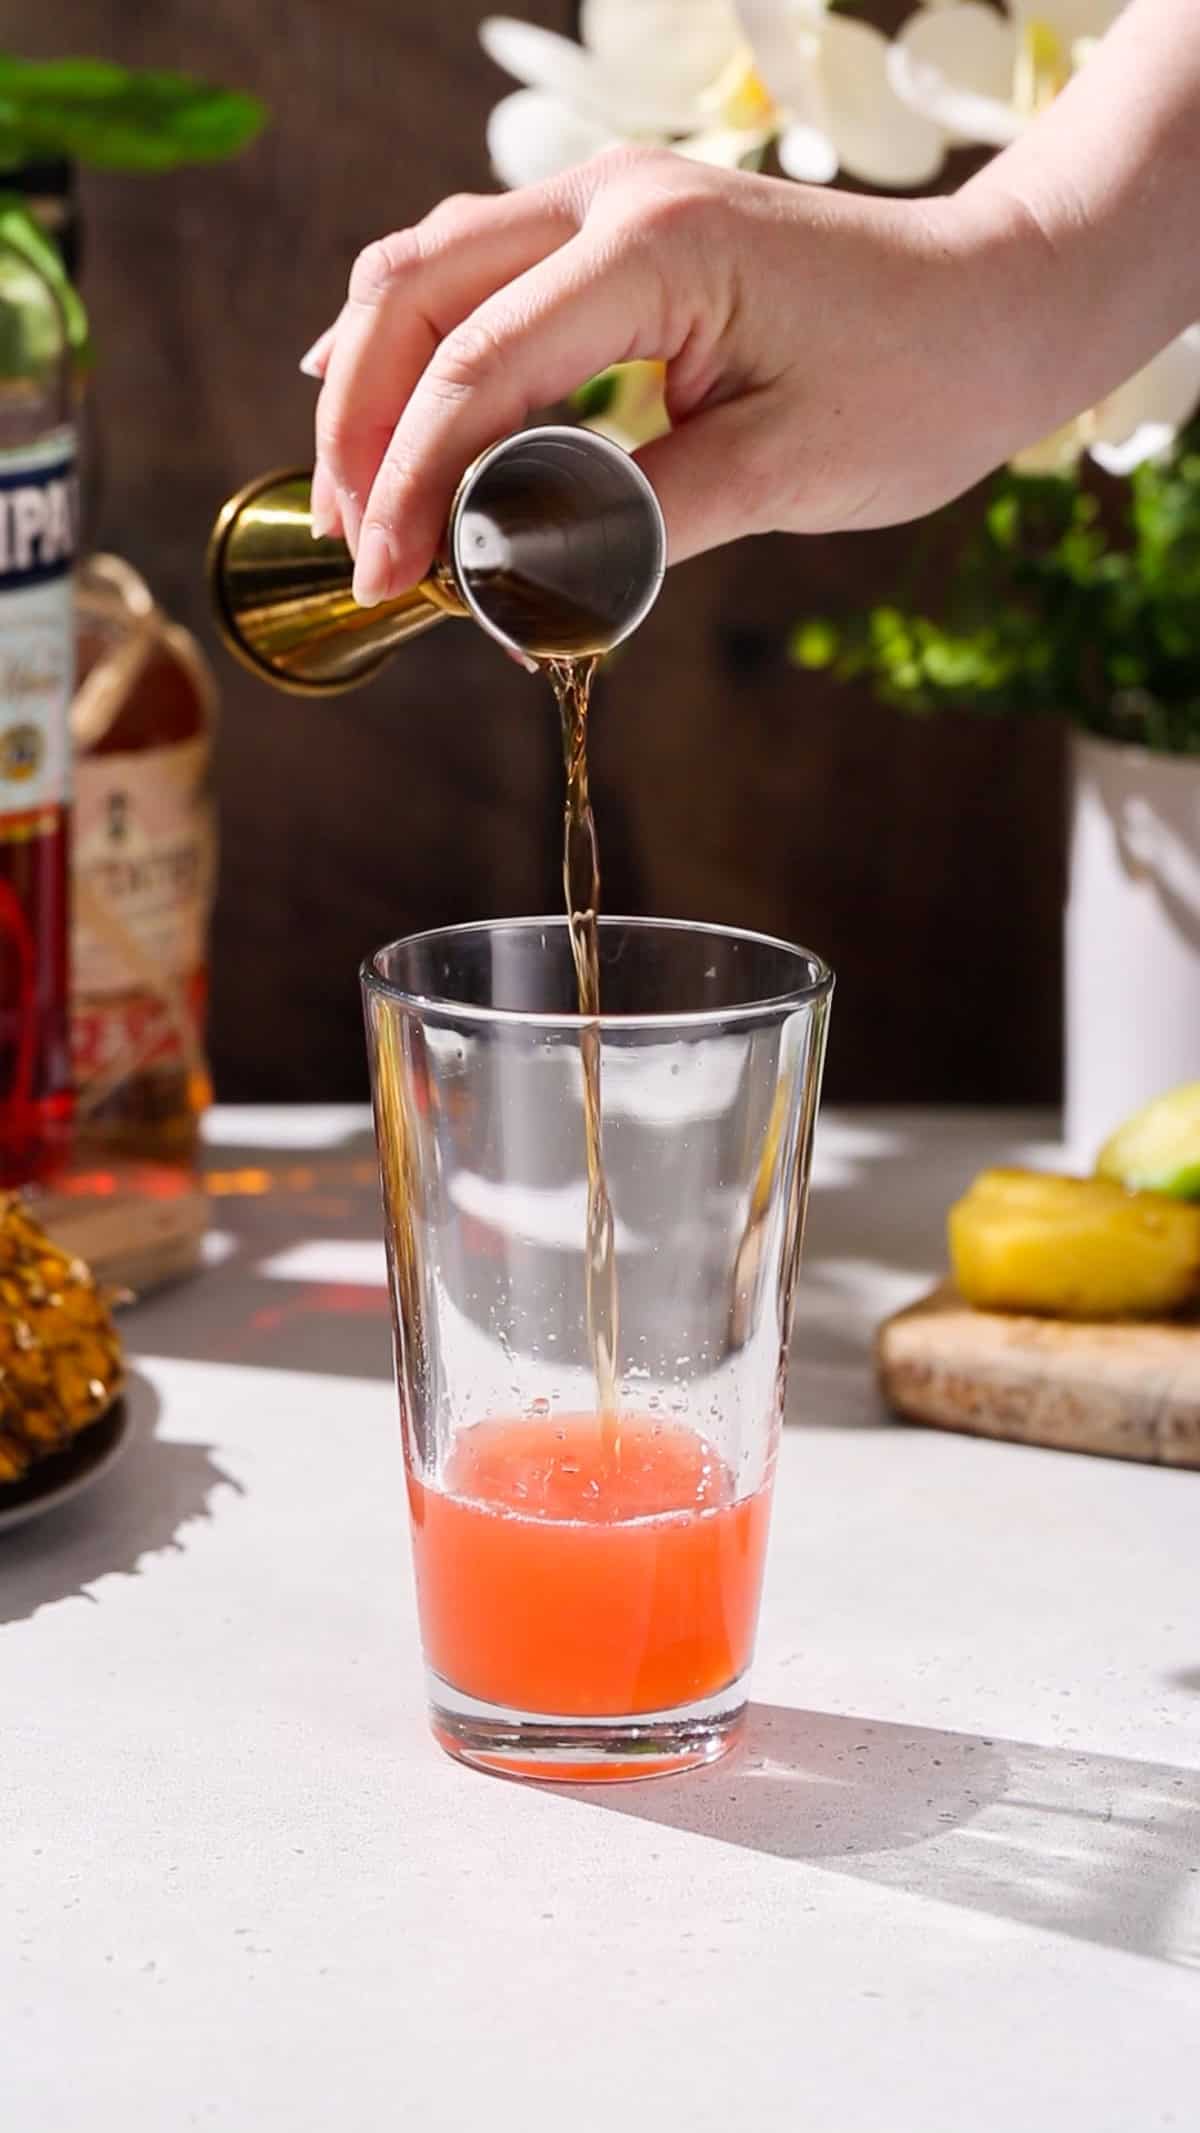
1127,1391
136,1224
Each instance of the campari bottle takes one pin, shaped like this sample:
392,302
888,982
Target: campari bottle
38,512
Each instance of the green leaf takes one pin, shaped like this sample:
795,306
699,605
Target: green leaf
597,396
18,229
1004,521
815,644
118,119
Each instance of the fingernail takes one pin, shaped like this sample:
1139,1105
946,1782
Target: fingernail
322,504
373,570
314,360
351,519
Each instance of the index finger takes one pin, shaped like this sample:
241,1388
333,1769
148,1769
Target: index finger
406,293
567,318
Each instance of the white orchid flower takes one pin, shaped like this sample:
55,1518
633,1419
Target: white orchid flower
1139,421
983,73
715,81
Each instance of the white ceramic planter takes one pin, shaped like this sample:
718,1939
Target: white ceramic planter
1132,935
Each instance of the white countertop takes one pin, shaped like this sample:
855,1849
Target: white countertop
952,1885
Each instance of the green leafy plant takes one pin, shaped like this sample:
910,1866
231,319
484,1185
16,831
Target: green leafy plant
1062,603
116,118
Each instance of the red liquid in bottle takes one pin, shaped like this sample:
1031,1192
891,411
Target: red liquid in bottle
37,542
35,1066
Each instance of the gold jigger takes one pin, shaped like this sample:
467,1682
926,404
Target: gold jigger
555,545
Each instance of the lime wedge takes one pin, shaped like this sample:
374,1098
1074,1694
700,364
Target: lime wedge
1158,1149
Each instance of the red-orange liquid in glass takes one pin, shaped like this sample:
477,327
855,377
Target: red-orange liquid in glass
560,1571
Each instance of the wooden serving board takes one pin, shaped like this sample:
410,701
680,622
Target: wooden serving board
136,1224
1127,1391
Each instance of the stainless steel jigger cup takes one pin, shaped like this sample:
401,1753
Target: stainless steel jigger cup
555,545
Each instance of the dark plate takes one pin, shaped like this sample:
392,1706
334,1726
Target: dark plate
65,1473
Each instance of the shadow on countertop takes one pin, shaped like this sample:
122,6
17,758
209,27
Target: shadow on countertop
136,1509
295,1276
1097,1847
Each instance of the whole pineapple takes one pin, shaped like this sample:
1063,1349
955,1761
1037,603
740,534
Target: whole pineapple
60,1357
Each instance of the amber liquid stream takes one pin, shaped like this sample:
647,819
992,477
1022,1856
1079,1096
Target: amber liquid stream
571,681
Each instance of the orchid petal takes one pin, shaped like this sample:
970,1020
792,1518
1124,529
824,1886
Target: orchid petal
1069,19
531,136
727,147
676,48
1143,417
785,43
877,138
1059,453
785,40
1150,440
541,59
956,66
808,154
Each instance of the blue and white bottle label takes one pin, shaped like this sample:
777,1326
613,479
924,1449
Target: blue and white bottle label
38,530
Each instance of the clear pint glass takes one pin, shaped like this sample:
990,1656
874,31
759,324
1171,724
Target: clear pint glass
588,1573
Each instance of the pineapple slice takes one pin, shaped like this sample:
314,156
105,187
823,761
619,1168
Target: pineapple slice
1073,1247
1158,1149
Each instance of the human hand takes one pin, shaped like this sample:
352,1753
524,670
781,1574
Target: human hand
832,360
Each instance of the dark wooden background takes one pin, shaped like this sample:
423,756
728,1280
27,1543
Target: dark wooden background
922,857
